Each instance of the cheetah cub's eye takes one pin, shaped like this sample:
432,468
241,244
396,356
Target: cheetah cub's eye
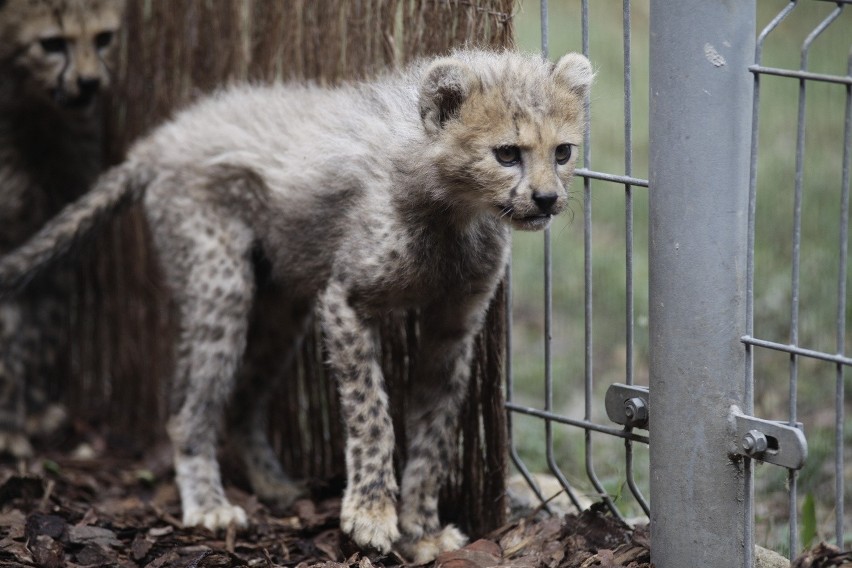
103,39
53,44
508,155
563,154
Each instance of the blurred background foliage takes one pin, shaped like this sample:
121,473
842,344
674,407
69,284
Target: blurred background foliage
821,213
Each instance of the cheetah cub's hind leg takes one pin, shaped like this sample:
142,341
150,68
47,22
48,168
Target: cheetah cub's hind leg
204,254
277,325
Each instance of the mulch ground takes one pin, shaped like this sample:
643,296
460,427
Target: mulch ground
110,512
57,511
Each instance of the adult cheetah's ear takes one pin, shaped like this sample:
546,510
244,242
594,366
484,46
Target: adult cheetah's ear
445,86
574,71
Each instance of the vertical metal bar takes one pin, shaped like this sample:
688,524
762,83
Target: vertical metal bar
548,293
548,320
587,245
548,275
510,390
748,402
699,174
628,192
841,316
792,475
587,294
796,262
628,231
748,385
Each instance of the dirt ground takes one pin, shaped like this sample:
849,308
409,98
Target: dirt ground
58,511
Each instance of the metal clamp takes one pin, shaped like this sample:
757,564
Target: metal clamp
768,441
628,405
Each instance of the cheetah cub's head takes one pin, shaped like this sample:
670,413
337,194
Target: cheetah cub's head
505,130
58,50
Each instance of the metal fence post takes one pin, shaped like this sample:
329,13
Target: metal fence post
700,120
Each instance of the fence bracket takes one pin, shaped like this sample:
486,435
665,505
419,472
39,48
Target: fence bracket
628,405
768,441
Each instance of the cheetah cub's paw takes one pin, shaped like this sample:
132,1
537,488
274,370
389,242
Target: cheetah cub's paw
48,421
371,525
215,517
428,547
15,444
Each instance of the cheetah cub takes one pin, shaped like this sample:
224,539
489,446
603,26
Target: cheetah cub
53,63
363,199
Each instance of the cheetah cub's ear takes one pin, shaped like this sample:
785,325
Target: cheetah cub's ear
575,72
445,86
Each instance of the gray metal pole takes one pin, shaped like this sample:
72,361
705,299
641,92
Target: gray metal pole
700,119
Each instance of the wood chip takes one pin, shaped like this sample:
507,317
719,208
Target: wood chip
157,532
140,547
46,552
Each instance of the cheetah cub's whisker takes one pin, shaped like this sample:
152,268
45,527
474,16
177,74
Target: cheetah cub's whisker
363,199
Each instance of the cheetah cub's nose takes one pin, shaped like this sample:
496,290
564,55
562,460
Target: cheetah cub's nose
545,201
89,85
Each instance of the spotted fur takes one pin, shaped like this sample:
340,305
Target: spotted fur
53,56
363,199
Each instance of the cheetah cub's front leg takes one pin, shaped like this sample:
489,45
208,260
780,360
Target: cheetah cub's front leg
438,391
368,512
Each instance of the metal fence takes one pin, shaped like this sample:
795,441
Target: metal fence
794,349
706,65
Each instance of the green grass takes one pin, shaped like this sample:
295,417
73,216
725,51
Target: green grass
776,169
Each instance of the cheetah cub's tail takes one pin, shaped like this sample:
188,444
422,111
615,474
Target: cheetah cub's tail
117,188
